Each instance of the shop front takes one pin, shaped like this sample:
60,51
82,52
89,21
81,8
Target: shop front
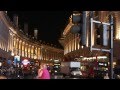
90,66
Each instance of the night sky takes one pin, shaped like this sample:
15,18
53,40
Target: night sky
50,24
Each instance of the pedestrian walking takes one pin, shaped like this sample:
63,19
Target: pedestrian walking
43,73
106,76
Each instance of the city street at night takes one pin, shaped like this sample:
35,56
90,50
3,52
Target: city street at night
59,45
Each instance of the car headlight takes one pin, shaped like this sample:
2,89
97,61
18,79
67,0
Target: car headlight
74,73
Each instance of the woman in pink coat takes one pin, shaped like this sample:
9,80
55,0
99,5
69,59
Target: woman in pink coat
43,73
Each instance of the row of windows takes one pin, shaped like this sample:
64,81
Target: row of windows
25,50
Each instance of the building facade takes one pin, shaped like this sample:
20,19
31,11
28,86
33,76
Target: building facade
14,42
73,51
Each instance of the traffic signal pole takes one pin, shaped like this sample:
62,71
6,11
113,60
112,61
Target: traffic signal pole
111,41
111,47
84,32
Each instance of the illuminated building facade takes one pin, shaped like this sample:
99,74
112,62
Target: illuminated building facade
14,42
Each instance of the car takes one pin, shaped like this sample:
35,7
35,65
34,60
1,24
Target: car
78,73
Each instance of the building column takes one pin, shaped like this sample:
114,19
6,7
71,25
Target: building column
12,43
20,48
17,46
13,48
16,43
76,44
23,47
30,51
43,55
27,50
71,42
40,54
64,48
9,42
117,25
68,45
36,52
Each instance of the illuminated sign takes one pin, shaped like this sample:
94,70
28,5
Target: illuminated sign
16,59
25,62
56,61
0,64
103,64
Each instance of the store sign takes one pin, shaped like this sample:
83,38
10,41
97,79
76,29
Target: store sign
102,64
56,61
16,59
25,62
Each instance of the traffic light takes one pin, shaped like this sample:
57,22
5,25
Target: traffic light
99,35
76,17
102,35
79,21
76,28
84,29
76,20
105,35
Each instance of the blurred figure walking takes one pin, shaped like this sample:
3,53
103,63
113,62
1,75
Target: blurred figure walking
43,73
106,76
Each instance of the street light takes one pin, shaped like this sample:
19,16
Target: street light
12,54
